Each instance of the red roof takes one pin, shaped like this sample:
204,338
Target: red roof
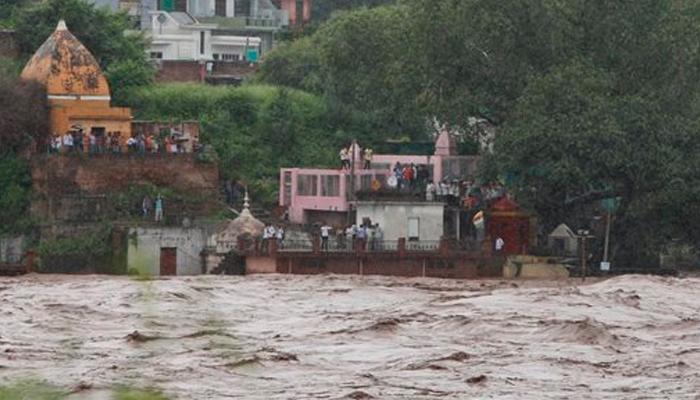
505,204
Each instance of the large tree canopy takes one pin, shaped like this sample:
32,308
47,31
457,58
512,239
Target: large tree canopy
592,98
23,114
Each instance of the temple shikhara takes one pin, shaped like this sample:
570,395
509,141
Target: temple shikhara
77,90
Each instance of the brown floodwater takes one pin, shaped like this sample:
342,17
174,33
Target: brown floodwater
333,337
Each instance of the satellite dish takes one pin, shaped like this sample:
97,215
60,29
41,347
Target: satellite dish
392,181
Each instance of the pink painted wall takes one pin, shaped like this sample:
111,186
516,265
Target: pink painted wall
298,204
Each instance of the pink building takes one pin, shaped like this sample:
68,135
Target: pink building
294,12
314,195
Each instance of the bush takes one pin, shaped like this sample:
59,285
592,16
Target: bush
15,194
86,252
254,129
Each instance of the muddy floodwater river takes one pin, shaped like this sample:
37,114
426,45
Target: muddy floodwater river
332,337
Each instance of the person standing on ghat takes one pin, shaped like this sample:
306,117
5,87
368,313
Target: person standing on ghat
325,234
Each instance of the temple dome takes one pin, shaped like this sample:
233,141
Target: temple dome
244,224
65,67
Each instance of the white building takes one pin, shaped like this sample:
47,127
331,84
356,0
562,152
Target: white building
166,251
179,36
413,220
187,30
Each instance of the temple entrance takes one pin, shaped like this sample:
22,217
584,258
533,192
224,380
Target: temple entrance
168,261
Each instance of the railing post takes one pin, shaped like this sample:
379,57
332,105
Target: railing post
444,247
30,260
316,245
401,247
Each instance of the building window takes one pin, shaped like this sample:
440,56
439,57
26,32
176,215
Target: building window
307,185
241,8
413,229
157,55
287,189
201,42
330,185
220,8
365,183
226,57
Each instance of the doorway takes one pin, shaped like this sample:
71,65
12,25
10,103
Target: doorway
168,261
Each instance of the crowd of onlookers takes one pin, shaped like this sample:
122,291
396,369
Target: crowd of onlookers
366,236
76,141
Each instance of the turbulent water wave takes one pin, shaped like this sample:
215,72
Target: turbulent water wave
332,337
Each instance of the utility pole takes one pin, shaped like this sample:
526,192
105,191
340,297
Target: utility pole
351,191
583,235
608,221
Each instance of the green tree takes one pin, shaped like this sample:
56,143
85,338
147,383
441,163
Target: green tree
23,114
15,189
322,10
120,52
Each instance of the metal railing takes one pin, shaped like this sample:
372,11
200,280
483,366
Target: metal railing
425,245
349,246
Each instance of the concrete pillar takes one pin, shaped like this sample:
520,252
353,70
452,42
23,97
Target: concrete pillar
444,247
30,256
316,244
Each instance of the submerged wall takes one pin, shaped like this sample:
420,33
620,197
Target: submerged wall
433,265
145,244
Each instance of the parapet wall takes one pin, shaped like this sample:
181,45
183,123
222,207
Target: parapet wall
425,265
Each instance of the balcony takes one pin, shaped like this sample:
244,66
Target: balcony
243,23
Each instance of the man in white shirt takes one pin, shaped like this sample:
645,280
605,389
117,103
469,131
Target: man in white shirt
68,142
280,237
350,237
361,237
268,234
430,192
345,158
325,234
500,243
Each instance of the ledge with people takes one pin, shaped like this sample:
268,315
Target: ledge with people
98,141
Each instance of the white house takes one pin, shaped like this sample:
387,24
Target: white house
413,220
177,35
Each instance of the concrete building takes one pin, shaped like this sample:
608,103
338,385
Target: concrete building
413,221
77,90
178,35
227,25
166,251
563,241
313,195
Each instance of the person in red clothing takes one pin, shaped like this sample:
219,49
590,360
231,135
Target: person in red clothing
149,144
408,175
